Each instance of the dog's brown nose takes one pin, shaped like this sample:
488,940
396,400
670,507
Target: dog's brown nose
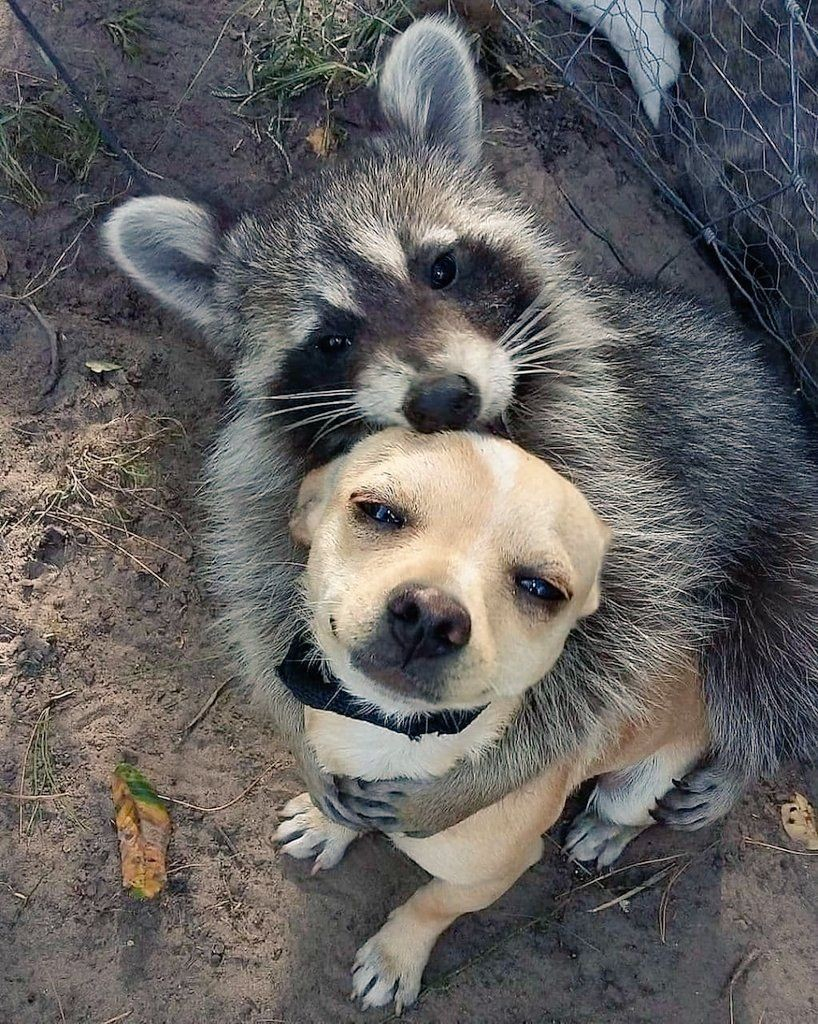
426,622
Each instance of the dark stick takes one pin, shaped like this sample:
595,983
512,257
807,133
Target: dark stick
108,136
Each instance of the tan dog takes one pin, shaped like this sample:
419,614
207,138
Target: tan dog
446,572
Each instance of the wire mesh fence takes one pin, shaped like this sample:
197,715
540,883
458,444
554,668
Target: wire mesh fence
717,101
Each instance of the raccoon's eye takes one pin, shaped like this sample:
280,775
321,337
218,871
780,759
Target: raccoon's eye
443,272
333,344
382,514
540,589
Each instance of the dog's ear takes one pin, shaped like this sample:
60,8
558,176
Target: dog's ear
169,247
428,88
313,495
595,593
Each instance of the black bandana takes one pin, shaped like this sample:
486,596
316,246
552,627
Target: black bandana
303,675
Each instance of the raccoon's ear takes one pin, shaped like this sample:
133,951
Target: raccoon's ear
169,247
428,88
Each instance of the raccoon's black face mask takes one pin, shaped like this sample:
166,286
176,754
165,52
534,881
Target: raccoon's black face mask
400,287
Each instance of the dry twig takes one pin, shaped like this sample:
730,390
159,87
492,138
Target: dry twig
53,375
211,700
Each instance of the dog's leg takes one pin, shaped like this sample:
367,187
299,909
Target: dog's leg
620,805
390,966
306,832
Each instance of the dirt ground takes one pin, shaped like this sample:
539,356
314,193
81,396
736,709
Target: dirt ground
107,646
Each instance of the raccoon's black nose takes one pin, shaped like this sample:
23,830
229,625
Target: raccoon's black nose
426,623
449,402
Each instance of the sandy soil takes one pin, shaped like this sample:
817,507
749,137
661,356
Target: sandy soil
114,620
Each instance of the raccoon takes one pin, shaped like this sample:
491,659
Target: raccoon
401,286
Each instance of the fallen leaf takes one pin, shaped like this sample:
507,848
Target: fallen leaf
143,828
798,819
323,139
480,16
531,79
102,366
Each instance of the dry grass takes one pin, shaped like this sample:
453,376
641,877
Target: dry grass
292,46
110,480
42,136
39,776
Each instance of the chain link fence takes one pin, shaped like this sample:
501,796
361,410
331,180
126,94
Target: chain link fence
717,102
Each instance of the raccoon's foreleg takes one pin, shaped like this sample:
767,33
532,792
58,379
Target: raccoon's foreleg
702,797
621,805
760,671
423,807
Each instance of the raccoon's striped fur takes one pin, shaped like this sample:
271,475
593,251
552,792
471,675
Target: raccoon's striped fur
331,308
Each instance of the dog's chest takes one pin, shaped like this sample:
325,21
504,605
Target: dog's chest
345,746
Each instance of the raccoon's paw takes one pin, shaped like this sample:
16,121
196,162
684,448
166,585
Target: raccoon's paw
592,840
390,966
701,798
306,833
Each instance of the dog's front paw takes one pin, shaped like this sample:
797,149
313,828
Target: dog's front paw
306,833
592,840
389,967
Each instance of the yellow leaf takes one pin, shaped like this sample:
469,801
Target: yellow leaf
798,819
143,827
102,366
322,140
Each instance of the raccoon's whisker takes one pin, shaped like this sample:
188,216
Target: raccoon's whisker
304,394
329,403
332,427
539,339
525,320
318,418
523,337
539,371
521,368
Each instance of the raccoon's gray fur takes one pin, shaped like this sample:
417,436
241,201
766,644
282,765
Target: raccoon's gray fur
729,129
659,410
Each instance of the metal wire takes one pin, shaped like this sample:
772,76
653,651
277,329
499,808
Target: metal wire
734,149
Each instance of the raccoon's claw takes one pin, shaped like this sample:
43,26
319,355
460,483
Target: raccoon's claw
328,799
373,803
700,798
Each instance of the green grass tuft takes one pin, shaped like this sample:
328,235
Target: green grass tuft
297,45
36,130
127,30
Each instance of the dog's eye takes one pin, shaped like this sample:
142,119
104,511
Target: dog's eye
334,344
443,272
381,514
541,589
